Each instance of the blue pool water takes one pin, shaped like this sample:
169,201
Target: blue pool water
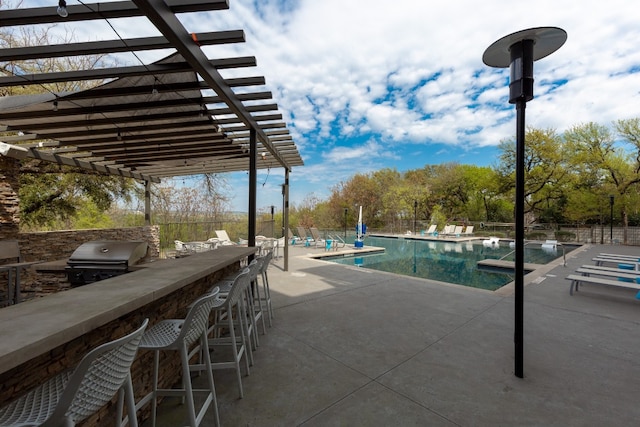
444,261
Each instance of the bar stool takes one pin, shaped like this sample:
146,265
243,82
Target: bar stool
72,396
180,335
230,314
252,294
264,265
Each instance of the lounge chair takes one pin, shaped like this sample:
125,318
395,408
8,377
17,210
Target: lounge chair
432,230
457,230
468,231
223,238
577,280
319,241
292,237
448,229
302,233
623,263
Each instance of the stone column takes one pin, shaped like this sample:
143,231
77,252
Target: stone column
9,200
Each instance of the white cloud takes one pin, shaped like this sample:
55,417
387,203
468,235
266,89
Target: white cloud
411,72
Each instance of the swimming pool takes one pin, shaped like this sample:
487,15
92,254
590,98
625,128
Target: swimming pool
444,261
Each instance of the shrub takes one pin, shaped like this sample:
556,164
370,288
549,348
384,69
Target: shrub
565,236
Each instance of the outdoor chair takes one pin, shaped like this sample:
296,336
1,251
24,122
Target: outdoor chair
302,233
181,248
293,238
317,238
223,238
251,298
266,292
432,230
181,335
446,230
230,315
72,396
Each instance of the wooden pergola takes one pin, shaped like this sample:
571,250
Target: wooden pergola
175,117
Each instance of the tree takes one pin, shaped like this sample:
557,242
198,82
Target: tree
51,194
544,171
605,167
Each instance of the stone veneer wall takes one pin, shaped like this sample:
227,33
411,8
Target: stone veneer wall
59,245
9,201
174,306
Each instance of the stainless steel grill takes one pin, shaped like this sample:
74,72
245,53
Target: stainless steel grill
99,260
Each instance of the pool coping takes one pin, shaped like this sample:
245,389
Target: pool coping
536,273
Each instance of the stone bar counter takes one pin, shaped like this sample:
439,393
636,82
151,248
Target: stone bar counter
44,336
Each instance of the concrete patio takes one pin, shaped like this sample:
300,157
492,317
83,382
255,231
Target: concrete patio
355,347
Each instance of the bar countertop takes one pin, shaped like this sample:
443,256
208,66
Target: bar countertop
40,325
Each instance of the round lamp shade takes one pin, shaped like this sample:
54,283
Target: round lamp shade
546,40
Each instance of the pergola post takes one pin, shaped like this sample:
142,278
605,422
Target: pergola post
285,213
147,202
253,176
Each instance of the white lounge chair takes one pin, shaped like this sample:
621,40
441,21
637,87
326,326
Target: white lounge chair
223,238
432,230
447,230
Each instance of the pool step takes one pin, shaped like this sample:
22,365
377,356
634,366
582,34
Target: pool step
505,265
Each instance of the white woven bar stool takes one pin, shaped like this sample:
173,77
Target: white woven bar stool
254,311
72,396
181,335
266,292
254,297
231,315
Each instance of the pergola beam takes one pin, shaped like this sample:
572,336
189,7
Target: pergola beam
158,12
113,46
94,11
117,72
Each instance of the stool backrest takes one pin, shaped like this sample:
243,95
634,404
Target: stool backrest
197,319
97,378
254,268
240,283
264,261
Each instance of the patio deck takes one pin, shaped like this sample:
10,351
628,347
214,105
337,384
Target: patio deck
360,348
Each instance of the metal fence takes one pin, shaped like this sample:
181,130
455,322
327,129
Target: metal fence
237,230
203,230
604,234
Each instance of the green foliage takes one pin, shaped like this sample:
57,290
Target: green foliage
564,236
536,235
51,195
91,216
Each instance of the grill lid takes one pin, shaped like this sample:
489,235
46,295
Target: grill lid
109,252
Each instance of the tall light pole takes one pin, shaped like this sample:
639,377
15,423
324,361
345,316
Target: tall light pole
273,222
518,51
345,223
611,219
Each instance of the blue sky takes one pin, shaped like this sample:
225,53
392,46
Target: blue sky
368,84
